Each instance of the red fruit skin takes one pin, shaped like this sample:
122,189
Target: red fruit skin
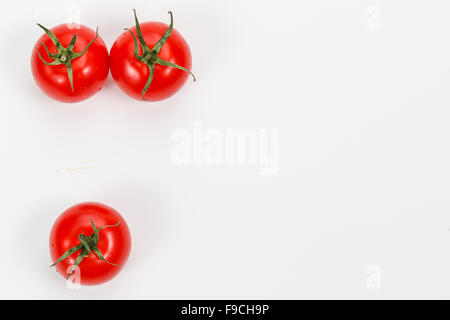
131,75
90,71
114,242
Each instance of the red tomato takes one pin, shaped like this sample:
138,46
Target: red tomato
113,243
90,69
132,74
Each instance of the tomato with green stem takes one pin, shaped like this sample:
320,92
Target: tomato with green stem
90,241
70,63
157,67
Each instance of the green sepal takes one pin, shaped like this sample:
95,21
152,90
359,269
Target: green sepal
51,55
108,226
139,33
173,65
70,73
79,54
63,55
158,46
72,43
87,245
150,56
53,63
68,253
52,36
85,242
100,255
136,46
151,70
78,260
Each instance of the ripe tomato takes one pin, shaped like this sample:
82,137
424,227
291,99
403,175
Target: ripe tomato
73,236
76,66
156,69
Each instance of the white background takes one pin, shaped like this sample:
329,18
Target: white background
361,102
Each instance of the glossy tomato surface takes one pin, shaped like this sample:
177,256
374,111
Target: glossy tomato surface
114,242
90,71
131,74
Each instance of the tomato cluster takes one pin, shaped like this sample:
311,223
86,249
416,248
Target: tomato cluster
149,62
91,242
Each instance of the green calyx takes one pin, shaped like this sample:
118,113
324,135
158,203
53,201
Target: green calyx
87,245
64,55
150,56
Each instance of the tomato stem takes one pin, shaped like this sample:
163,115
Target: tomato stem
63,55
87,245
150,56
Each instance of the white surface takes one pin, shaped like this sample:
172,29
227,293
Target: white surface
361,102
